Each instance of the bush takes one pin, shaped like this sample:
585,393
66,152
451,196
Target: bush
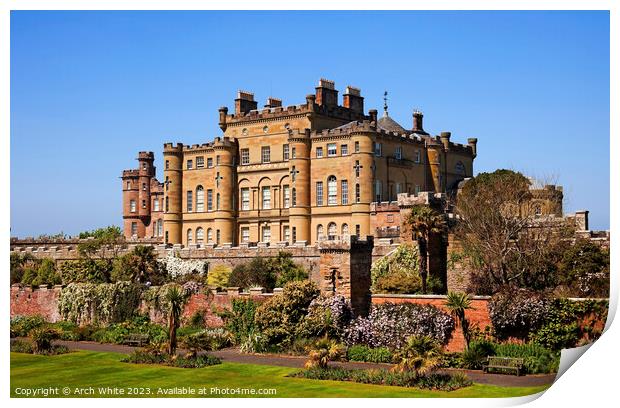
117,332
218,276
256,273
398,272
327,315
398,282
198,318
475,357
146,356
277,319
389,325
517,313
19,346
41,272
536,359
85,270
208,340
322,351
253,342
369,355
240,319
22,325
42,338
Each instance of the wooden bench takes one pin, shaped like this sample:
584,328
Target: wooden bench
504,364
136,339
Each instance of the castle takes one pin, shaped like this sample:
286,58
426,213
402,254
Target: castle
297,174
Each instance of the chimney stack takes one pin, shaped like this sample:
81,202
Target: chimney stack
417,122
353,99
245,102
223,112
326,93
373,115
273,102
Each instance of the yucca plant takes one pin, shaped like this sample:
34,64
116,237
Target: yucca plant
457,303
420,355
322,352
176,299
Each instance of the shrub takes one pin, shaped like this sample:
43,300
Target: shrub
370,355
327,315
398,272
19,346
536,359
321,352
584,268
240,319
209,340
252,274
517,313
286,270
150,356
117,332
203,360
42,338
277,319
420,354
22,325
398,282
253,342
198,318
218,276
477,354
85,270
389,325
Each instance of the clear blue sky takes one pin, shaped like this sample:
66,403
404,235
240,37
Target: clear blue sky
91,89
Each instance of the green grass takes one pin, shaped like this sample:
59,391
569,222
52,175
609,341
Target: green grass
83,369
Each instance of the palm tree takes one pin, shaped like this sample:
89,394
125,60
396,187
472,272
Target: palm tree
322,352
146,262
176,299
457,303
423,221
421,354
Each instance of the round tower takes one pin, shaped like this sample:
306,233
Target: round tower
146,171
299,170
132,225
225,183
435,153
362,174
173,187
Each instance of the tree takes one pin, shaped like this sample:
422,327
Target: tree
584,268
322,352
503,241
140,266
423,222
176,300
421,354
457,303
19,264
99,249
218,276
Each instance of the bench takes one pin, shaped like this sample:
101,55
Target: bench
504,364
136,339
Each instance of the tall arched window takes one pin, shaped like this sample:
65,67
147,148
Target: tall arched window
160,227
332,231
319,232
200,235
209,235
332,191
459,168
294,197
200,199
345,231
217,201
190,236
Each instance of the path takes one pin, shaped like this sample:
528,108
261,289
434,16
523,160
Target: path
234,356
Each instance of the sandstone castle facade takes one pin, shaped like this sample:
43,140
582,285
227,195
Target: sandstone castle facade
296,174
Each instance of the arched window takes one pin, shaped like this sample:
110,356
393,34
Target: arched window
459,168
294,197
209,235
189,236
332,231
160,227
217,201
332,191
200,235
200,199
319,232
345,231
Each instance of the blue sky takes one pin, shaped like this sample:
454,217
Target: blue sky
91,89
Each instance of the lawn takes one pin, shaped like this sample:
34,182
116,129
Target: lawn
86,369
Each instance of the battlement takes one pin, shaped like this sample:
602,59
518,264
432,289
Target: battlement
131,173
170,148
217,143
146,156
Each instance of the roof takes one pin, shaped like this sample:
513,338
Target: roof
389,124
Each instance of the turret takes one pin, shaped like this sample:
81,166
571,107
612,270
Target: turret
173,188
225,192
299,170
472,142
445,140
223,113
146,172
362,176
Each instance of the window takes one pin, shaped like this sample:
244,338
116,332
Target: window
217,160
319,193
332,191
319,232
200,235
190,164
134,229
286,192
357,168
357,147
417,156
129,185
319,152
332,231
217,201
209,235
143,204
156,205
245,199
390,218
217,237
132,206
265,154
245,156
417,189
266,234
143,186
167,205
189,236
200,162
190,201
167,165
286,233
144,166
398,189
344,150
285,151
209,162
378,190
294,197
344,192
245,234
357,193
294,234
398,154
378,149
160,227
331,149
293,153
358,231
459,168
209,200
266,198
166,239
345,231
200,199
